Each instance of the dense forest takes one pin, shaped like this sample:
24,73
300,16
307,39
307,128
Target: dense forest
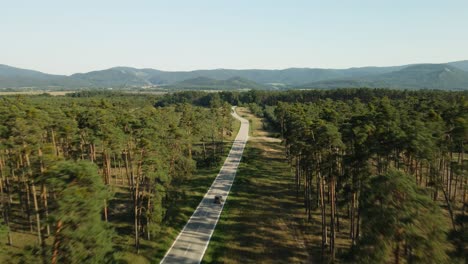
386,169
392,168
388,166
64,159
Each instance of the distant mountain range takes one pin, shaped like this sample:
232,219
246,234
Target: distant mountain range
421,76
447,76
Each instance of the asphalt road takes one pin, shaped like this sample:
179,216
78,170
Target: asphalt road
192,242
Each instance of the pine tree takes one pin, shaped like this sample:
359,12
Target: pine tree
80,234
400,221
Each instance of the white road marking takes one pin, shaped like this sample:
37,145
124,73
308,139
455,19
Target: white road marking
189,246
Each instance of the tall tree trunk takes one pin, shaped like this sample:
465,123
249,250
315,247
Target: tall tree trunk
127,170
46,206
204,151
450,209
352,219
54,143
397,252
309,196
297,176
28,206
43,194
116,168
450,175
105,211
322,210
148,212
137,232
106,160
358,218
135,187
36,211
332,218
5,210
464,180
57,242
33,192
119,164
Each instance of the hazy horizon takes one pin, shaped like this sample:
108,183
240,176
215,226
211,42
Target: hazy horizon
57,37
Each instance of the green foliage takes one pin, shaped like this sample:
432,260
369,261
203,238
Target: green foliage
273,98
81,235
256,109
335,142
340,144
141,152
396,213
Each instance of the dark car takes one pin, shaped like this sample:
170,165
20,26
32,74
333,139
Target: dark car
218,199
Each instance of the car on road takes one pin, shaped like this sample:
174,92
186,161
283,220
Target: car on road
218,199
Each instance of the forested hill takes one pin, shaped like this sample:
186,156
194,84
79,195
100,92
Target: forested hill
423,76
449,76
462,65
11,77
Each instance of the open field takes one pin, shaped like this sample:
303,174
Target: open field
62,93
258,126
53,93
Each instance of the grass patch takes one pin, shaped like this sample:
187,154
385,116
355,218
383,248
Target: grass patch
255,226
262,221
257,124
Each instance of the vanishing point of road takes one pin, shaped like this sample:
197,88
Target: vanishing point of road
192,242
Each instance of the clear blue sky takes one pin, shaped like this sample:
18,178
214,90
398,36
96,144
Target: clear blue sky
65,37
